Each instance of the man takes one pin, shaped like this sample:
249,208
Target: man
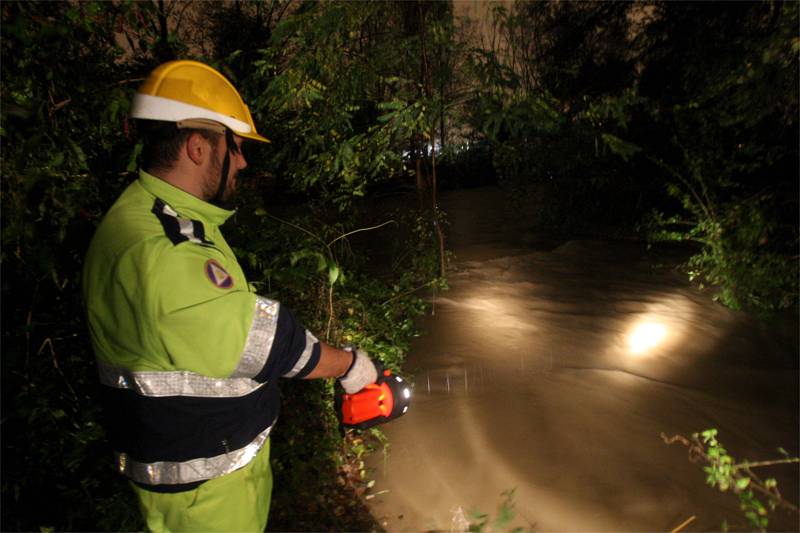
188,356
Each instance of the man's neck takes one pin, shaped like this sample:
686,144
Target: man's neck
181,179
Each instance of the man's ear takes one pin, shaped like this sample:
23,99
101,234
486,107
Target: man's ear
197,148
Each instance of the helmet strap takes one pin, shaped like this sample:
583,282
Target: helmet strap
226,163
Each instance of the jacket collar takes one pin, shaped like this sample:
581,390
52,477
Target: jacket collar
184,203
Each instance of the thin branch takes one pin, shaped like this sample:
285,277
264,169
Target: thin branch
282,12
360,230
300,228
180,15
688,185
684,524
49,343
758,464
393,298
130,80
697,450
61,104
330,313
28,324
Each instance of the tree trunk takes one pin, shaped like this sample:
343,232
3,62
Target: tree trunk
435,209
163,50
421,189
427,90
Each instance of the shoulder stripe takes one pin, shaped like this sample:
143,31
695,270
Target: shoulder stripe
158,384
179,229
259,339
305,356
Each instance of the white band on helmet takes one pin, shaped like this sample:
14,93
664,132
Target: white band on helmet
150,107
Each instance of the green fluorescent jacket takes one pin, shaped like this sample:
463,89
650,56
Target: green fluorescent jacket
187,355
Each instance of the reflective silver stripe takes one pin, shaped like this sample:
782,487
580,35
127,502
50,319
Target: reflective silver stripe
187,229
311,340
178,383
259,339
168,210
174,473
186,225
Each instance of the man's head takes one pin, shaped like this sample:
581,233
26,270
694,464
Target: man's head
193,122
196,154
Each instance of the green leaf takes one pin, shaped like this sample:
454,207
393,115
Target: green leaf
133,159
57,160
333,273
709,436
622,148
742,483
505,515
79,154
295,257
394,105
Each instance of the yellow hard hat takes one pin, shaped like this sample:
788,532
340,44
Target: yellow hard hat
192,92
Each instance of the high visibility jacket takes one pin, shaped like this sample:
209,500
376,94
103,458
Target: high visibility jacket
187,354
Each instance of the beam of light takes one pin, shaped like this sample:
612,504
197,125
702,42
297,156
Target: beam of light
645,337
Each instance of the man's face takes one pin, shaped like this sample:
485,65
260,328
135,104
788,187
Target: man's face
213,173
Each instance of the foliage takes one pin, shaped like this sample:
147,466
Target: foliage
68,153
477,521
723,472
329,102
736,255
310,264
64,158
734,171
600,113
350,97
505,515
546,148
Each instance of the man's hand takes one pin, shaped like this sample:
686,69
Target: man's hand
354,369
362,372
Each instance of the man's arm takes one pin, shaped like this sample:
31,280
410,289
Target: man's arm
354,369
333,363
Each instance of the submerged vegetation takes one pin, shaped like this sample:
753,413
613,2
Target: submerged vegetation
758,495
679,119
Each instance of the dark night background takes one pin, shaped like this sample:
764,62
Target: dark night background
654,122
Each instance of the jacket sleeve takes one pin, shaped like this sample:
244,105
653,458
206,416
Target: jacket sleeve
209,322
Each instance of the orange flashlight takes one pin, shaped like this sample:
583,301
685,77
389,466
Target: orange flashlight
385,400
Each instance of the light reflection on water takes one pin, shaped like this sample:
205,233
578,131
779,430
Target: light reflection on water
476,379
646,336
532,376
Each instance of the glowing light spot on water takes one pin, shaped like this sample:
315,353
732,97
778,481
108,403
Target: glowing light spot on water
645,337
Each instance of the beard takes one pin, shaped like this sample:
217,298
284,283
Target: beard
211,182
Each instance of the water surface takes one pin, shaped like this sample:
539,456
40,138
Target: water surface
552,368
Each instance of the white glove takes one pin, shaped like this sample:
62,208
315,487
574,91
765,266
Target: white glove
362,372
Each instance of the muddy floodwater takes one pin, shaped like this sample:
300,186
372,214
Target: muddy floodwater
552,368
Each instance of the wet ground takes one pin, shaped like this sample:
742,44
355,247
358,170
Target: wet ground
551,368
